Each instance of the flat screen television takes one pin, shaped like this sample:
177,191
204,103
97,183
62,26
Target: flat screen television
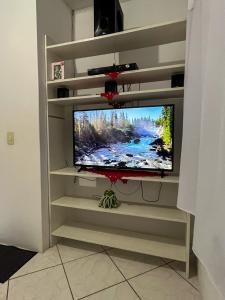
139,138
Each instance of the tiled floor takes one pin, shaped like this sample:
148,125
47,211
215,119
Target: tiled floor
74,270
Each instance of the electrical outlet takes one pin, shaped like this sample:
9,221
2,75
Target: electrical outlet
87,182
10,138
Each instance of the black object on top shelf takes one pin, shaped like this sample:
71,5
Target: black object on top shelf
108,17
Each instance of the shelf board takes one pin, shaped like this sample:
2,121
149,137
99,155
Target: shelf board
128,77
122,97
73,172
135,210
123,239
141,37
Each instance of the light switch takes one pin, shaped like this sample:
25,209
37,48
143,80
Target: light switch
10,138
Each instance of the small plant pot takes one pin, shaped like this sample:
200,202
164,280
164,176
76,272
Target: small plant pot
109,200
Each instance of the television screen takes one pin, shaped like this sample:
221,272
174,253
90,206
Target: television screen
126,138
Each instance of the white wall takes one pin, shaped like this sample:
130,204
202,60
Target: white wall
20,175
148,12
207,287
23,168
54,19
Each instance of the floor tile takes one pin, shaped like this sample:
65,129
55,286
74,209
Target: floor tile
43,285
3,290
121,291
180,268
106,247
70,249
132,264
163,284
40,261
91,274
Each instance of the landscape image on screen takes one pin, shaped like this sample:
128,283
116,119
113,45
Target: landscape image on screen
124,138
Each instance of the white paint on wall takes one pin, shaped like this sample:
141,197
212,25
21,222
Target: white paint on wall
20,174
23,167
54,19
147,12
139,13
207,287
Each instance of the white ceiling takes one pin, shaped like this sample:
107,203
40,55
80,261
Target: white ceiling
79,4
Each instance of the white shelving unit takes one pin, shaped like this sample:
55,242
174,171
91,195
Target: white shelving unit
62,225
141,37
123,239
74,173
126,209
136,76
122,97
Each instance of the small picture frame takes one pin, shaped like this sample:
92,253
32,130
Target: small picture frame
58,71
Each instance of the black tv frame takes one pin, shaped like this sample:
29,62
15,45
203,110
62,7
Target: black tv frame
162,171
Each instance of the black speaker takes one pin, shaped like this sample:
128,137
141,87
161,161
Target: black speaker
111,86
108,17
62,92
177,80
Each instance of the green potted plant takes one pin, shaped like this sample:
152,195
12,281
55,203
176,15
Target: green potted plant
108,200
